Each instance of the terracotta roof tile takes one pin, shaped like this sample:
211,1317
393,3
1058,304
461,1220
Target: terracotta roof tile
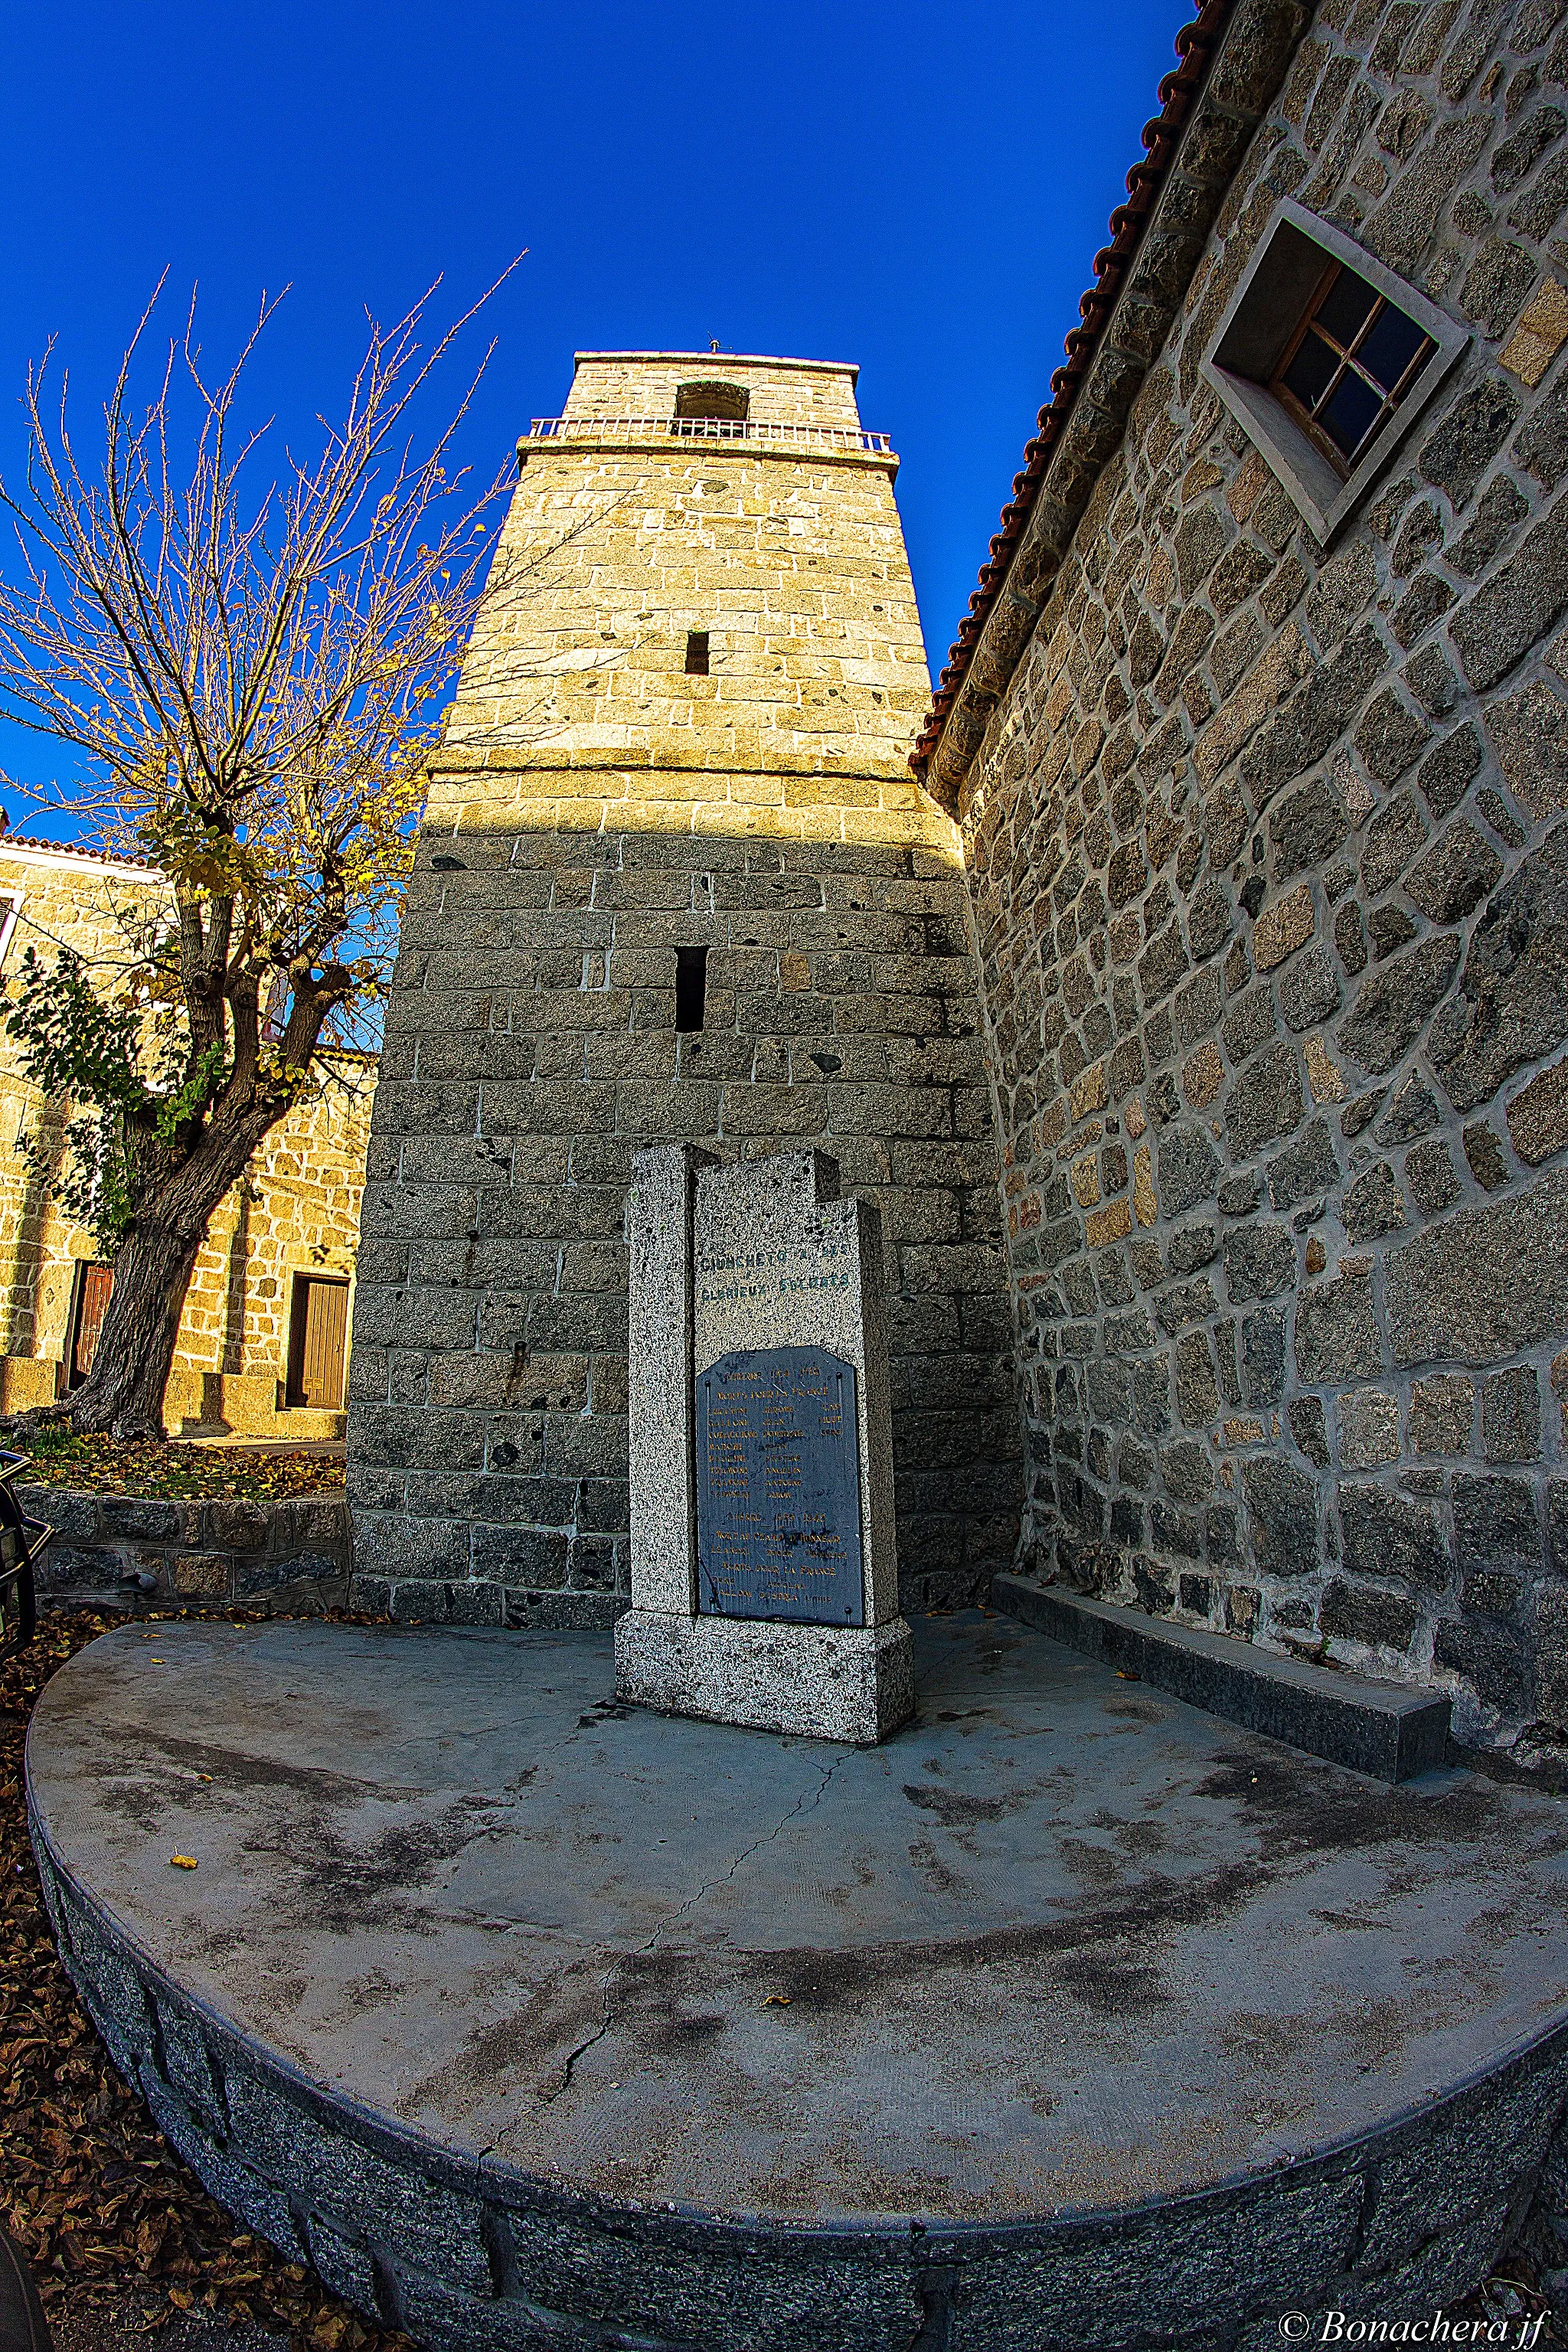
1195,44
9,840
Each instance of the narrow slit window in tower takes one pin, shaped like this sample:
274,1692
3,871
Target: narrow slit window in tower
697,653
690,986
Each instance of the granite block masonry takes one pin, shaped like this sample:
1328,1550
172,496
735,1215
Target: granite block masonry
764,1567
1195,1016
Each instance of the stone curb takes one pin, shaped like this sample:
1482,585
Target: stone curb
1381,1729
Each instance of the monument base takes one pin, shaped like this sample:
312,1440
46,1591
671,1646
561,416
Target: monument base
854,1682
1078,2020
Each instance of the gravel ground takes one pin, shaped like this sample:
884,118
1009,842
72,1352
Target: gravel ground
99,2329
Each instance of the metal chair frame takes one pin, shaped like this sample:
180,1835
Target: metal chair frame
21,1543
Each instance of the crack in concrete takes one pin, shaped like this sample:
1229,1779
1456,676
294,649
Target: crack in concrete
807,1802
935,2288
570,2064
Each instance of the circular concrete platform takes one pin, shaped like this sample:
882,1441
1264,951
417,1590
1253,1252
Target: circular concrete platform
1071,2017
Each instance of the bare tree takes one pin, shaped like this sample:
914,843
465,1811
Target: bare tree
249,679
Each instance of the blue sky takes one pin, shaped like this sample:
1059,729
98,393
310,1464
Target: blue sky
918,187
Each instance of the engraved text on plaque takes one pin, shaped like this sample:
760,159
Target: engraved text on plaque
778,1487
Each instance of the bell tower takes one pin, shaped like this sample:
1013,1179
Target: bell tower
675,883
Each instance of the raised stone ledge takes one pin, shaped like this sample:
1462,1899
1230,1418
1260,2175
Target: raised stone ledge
478,1600
459,2254
467,2249
253,1549
1379,1729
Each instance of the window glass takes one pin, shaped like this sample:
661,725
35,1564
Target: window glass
1349,413
1344,307
1312,369
1391,342
1353,357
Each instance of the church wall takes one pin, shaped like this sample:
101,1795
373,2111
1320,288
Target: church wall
1270,875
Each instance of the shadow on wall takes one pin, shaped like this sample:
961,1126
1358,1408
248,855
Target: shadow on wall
532,1046
26,1272
233,1356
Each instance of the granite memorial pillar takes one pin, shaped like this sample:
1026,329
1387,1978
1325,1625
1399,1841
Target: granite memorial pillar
763,1569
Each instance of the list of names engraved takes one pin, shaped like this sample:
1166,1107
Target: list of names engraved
778,1487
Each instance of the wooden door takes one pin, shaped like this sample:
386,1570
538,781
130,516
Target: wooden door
318,1342
95,1284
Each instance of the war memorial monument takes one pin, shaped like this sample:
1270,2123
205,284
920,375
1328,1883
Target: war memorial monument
960,1347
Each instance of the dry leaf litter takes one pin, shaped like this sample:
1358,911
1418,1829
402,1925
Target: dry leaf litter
107,2215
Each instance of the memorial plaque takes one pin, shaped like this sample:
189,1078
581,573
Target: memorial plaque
778,1487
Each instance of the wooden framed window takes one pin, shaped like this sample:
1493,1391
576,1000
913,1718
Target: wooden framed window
1348,365
1326,359
318,1342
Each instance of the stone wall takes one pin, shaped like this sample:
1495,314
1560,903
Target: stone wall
50,900
644,384
292,1552
296,1212
1269,871
594,808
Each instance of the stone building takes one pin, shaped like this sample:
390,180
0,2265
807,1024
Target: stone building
1246,778
1255,735
675,881
261,1349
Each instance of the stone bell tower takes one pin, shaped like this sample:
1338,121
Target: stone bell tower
675,883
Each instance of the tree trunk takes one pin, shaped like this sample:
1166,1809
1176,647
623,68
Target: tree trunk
123,1393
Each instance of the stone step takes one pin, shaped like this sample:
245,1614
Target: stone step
1379,1729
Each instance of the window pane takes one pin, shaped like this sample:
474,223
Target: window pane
1392,344
1312,371
1350,414
1344,308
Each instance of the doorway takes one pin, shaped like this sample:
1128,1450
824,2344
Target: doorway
318,1342
94,1289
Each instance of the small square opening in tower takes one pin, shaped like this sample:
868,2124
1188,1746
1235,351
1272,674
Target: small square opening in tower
690,987
697,653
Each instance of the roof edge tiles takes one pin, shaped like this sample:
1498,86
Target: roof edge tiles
1233,56
32,842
